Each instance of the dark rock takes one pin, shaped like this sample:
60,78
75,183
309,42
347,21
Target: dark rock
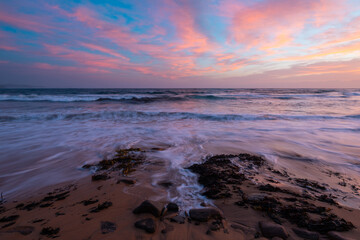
107,227
337,236
172,207
9,218
100,207
306,234
204,214
165,184
330,223
327,199
178,219
309,184
126,181
45,205
148,206
147,224
270,230
30,206
38,220
59,214
23,230
20,205
8,224
57,197
99,177
49,231
215,226
89,202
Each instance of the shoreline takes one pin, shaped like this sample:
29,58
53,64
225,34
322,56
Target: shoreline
236,184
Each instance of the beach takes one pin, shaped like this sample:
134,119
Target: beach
209,164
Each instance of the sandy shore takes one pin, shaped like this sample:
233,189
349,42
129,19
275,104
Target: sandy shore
249,195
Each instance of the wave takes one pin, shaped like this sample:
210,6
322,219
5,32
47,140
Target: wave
155,95
150,116
88,98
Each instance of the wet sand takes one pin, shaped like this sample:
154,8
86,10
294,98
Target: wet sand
250,200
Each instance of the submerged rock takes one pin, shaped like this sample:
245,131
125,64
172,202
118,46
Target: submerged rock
147,224
270,230
148,206
204,214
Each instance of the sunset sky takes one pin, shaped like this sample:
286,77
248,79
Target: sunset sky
180,43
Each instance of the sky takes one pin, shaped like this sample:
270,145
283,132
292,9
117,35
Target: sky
180,43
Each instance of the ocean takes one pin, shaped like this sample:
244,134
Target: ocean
46,135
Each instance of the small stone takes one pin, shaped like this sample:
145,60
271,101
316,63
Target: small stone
126,181
178,219
204,214
337,236
270,230
49,231
100,207
107,227
172,207
149,207
306,234
147,224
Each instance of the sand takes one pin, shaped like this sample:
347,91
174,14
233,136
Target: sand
60,211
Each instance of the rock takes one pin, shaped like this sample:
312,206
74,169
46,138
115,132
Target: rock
270,230
126,181
98,177
172,207
9,218
23,230
148,206
276,238
165,184
178,219
147,224
255,197
107,227
100,207
306,234
49,231
337,236
204,214
89,202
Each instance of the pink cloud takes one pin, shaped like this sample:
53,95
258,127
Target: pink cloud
275,23
8,48
23,21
